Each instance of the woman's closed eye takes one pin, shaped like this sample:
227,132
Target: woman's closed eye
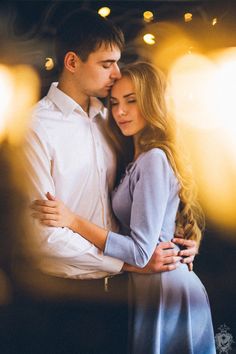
113,103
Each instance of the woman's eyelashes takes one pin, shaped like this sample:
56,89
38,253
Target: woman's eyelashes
114,103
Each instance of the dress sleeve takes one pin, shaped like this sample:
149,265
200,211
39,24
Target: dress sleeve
151,188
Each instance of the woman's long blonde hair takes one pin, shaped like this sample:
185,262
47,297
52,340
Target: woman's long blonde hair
160,132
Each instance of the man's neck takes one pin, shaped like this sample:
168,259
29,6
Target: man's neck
69,89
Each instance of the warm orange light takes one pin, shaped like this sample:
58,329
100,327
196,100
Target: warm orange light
214,21
19,87
203,94
148,16
6,94
188,17
49,64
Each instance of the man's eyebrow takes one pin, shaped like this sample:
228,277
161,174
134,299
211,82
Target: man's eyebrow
125,96
107,61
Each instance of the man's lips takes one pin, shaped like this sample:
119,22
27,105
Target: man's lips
110,85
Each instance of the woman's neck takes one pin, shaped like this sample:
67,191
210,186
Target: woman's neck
137,151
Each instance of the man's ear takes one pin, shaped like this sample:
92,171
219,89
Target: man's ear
71,61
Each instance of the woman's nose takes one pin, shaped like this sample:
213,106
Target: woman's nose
122,111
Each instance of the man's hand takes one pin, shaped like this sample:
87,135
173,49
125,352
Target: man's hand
189,252
164,258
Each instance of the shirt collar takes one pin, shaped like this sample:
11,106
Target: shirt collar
67,105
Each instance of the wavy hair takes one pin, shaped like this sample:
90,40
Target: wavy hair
160,132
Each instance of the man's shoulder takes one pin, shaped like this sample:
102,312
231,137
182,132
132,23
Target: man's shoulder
44,113
42,108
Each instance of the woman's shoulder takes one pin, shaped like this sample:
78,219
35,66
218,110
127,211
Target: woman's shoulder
152,166
152,157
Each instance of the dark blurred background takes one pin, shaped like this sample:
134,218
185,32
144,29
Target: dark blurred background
26,34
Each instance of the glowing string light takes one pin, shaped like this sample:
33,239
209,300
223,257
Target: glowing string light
214,21
188,17
49,64
149,39
104,11
148,16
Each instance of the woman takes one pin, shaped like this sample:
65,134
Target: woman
170,311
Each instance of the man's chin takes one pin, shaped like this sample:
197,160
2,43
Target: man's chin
103,93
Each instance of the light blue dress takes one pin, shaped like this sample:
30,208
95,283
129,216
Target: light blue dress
170,312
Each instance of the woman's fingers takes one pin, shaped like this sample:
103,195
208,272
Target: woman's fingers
188,252
48,203
190,245
45,210
184,242
50,223
187,259
42,216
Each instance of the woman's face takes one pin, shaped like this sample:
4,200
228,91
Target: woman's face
125,109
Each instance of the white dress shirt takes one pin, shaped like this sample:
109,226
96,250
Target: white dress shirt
69,157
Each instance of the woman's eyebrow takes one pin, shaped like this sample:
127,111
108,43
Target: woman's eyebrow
125,96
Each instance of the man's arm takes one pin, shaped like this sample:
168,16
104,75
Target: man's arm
70,252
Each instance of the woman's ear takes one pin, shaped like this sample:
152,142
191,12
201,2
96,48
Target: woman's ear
71,61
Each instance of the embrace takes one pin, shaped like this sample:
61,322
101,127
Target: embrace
82,157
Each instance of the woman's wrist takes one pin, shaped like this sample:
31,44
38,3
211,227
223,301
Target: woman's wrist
73,224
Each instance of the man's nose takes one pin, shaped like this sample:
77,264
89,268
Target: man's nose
115,74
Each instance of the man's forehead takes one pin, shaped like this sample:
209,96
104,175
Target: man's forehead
107,51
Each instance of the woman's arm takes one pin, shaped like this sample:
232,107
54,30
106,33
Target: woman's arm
95,234
53,212
150,196
151,183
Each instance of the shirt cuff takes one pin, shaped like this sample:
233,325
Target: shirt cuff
112,265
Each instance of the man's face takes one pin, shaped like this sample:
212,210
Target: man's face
98,73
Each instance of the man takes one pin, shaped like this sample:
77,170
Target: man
69,157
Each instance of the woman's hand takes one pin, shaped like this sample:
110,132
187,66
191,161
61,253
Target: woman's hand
53,212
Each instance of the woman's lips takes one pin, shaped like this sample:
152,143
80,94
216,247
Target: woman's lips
124,123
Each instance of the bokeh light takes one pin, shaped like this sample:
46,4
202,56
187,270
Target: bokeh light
19,88
203,92
149,38
214,21
49,64
104,11
6,94
148,16
188,17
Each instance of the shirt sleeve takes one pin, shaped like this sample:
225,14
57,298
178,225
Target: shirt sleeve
69,251
152,183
